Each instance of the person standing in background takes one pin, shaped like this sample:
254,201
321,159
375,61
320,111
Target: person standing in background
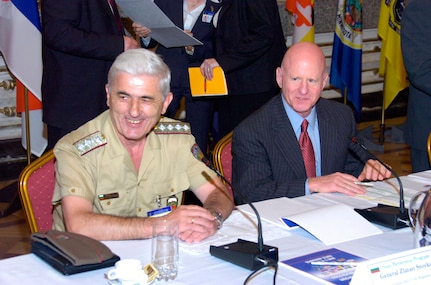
194,16
80,41
415,46
249,46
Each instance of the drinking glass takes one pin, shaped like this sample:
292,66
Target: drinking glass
164,251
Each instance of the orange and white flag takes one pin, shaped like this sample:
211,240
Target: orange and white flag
303,19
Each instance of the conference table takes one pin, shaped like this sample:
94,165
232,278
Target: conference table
197,266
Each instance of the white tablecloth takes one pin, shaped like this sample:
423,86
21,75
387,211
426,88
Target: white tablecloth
197,266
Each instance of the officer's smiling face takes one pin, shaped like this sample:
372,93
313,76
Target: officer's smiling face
136,105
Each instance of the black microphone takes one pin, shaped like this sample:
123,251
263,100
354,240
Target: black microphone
244,253
385,215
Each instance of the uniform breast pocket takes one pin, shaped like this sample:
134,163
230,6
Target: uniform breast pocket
174,186
118,203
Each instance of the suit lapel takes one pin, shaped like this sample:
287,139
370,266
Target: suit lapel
328,138
108,10
177,18
111,15
197,28
284,136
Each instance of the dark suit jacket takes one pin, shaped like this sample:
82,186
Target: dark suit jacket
416,44
80,41
250,45
267,160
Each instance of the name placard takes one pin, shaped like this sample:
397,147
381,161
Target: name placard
407,267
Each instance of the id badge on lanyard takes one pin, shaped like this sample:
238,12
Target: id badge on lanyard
207,16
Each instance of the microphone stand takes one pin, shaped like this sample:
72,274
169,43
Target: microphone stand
259,222
385,215
244,253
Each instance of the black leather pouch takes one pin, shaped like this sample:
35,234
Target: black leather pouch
71,253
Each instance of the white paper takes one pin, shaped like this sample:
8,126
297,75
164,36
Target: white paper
273,209
335,224
424,175
387,192
238,225
328,221
163,30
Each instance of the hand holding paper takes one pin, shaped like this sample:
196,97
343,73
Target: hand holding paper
163,30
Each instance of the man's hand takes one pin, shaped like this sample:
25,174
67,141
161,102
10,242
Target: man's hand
140,30
374,171
194,223
336,182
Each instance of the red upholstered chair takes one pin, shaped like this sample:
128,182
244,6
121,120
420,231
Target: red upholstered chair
222,157
36,188
429,147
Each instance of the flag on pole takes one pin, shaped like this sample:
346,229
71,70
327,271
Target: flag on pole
21,46
303,19
391,59
346,66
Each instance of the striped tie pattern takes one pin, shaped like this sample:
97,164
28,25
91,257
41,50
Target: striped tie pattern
307,150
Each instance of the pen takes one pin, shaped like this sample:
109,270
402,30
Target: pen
323,263
366,184
205,84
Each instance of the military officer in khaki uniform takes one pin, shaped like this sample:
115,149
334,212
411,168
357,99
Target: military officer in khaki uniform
129,163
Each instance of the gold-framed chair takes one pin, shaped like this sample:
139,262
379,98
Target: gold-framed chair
36,187
429,147
222,158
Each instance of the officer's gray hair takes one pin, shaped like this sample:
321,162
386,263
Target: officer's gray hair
141,62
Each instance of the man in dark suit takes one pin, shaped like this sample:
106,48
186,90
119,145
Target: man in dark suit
80,40
249,46
267,158
415,44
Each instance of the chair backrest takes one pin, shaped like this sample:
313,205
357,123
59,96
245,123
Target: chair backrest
429,147
36,188
222,157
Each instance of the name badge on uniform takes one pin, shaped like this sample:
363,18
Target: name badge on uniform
108,196
159,212
207,16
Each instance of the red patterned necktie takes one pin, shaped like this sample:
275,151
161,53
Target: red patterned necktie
307,150
116,15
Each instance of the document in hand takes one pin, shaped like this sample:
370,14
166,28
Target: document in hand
332,265
333,224
200,86
163,30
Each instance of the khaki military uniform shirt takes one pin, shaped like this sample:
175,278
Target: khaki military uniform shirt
93,164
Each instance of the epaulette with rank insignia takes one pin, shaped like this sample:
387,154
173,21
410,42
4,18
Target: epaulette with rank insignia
90,142
172,128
